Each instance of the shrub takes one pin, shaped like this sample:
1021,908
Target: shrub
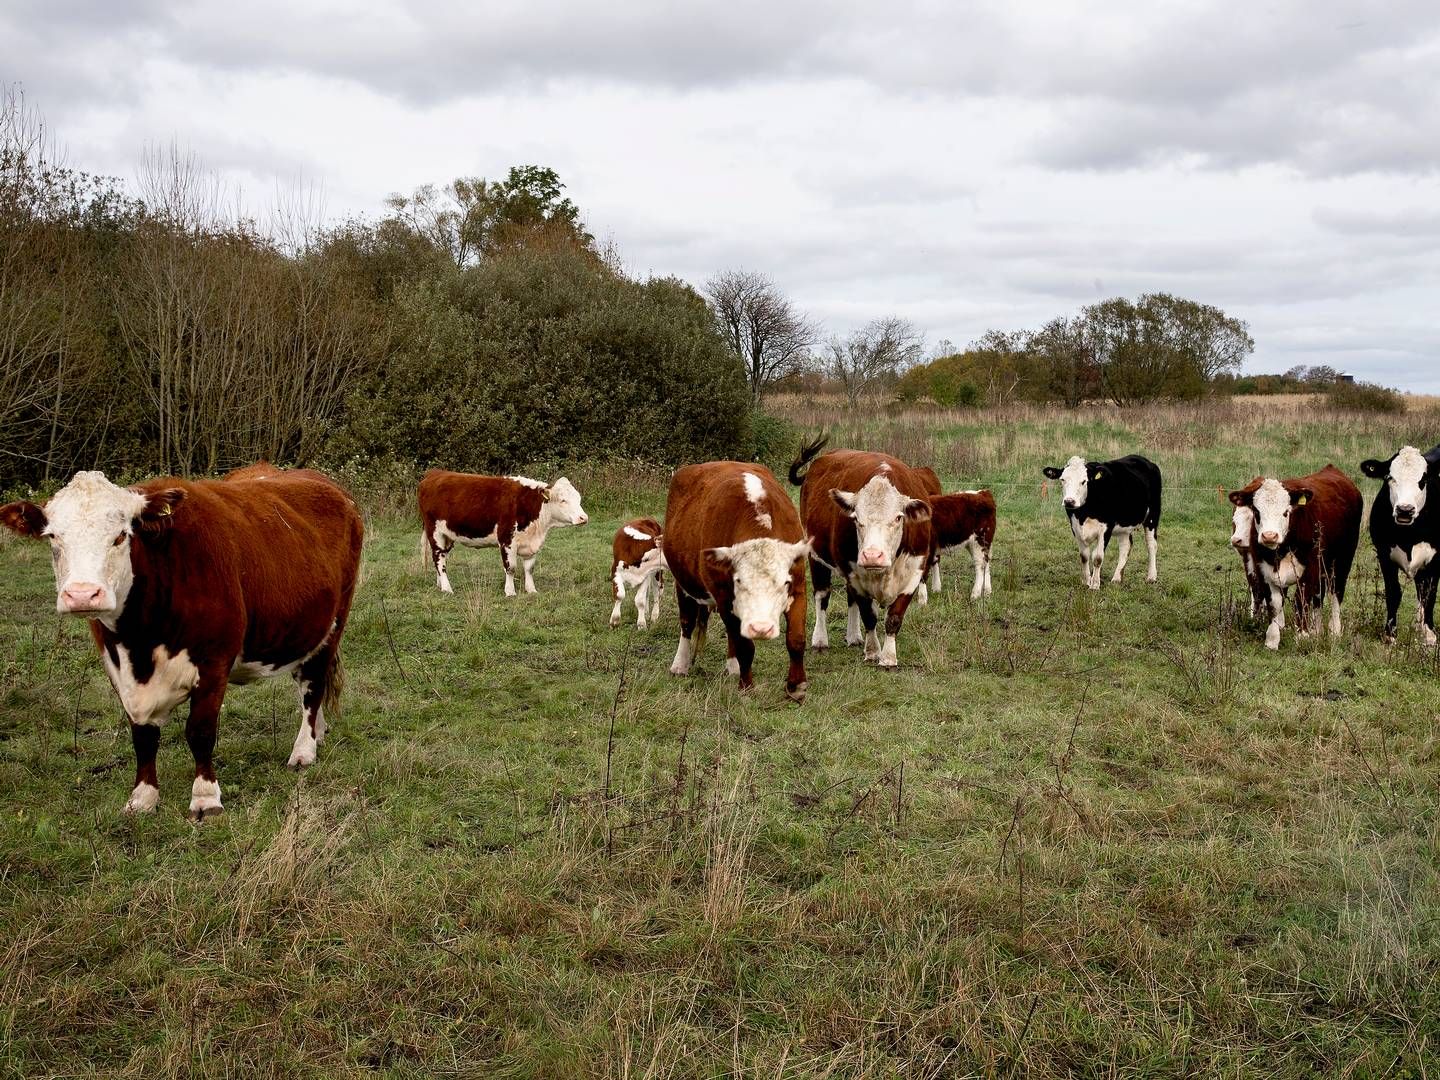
1364,397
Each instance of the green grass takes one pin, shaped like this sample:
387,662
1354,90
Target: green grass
1075,834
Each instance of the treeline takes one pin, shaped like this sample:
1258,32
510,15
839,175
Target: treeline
474,326
1157,347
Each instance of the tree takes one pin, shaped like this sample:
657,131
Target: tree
1162,346
1064,362
880,350
761,326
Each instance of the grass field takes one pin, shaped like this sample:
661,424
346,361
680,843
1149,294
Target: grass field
1076,834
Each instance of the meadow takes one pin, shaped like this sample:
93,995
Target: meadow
1075,834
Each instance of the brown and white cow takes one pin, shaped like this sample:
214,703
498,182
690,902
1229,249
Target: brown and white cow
868,517
733,543
636,560
1304,532
513,513
191,585
964,519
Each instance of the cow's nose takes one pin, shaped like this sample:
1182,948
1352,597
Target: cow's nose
760,630
1069,504
1271,538
872,557
582,519
82,596
1405,511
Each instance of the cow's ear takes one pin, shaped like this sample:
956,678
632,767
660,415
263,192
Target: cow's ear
545,494
1096,472
1052,471
844,499
24,518
160,507
1241,498
1301,496
1376,470
717,559
917,510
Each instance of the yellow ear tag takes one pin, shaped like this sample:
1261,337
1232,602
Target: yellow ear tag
1099,473
167,510
1302,500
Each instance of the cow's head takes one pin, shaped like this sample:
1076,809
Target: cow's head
1075,480
1244,519
562,504
760,572
1272,503
880,512
1407,475
91,524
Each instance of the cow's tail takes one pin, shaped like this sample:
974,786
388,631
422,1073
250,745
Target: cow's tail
808,452
334,683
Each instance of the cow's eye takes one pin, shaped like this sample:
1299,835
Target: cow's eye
1423,479
899,518
119,540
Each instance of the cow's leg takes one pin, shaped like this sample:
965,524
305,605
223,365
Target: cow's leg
1334,614
935,574
1277,618
642,602
689,619
312,679
1425,605
740,651
1393,595
529,565
1122,556
438,554
985,552
146,739
820,577
659,579
617,590
795,683
868,619
507,560
200,731
1152,545
978,554
853,634
922,594
893,619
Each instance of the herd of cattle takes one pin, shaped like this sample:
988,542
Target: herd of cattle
189,586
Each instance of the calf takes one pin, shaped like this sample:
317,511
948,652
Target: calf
869,521
636,560
1242,539
1110,497
513,513
733,543
965,519
190,586
1304,533
1405,529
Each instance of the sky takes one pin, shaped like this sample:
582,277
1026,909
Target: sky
964,165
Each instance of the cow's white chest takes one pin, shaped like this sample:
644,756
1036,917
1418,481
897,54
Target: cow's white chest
1286,572
901,577
1089,532
169,684
529,540
1421,555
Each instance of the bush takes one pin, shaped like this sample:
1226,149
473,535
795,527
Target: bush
773,441
1364,397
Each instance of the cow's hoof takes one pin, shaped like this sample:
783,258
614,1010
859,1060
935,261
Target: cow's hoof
1151,579
614,623
301,759
205,813
142,800
797,693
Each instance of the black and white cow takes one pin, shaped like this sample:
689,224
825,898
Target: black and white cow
1405,529
1105,497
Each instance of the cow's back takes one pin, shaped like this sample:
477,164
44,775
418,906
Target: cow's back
473,505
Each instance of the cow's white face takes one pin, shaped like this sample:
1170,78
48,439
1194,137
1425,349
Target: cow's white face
1075,483
1407,482
879,511
90,524
563,506
1273,503
1244,519
760,576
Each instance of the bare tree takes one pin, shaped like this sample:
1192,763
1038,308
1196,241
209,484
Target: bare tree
878,351
761,326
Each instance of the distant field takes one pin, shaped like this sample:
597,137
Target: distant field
1094,834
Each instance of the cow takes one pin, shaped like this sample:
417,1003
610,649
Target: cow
1110,497
1405,529
191,585
636,560
868,518
1242,539
1304,532
513,513
733,542
964,519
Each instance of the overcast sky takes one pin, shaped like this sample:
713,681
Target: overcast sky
965,165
